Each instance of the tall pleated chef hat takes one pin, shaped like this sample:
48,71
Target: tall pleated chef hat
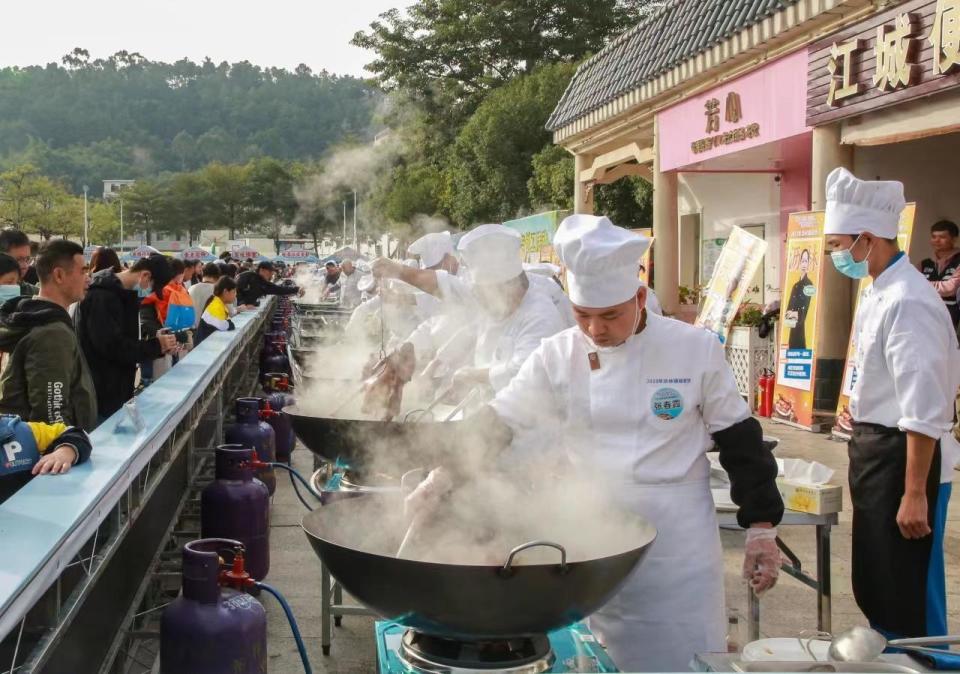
855,206
492,254
432,248
602,260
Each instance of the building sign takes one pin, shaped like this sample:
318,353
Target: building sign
843,426
799,313
910,51
760,107
536,235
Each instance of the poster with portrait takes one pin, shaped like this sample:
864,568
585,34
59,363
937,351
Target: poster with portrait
843,425
797,362
738,261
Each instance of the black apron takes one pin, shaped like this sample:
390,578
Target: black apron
889,571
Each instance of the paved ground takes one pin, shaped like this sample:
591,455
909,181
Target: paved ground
785,611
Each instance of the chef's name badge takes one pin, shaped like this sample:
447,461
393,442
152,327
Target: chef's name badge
666,403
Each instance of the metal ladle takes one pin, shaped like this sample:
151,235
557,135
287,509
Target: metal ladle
862,644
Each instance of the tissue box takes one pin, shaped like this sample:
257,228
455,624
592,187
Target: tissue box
820,499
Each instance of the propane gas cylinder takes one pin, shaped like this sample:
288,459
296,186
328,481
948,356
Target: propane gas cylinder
210,629
236,505
276,396
273,356
250,431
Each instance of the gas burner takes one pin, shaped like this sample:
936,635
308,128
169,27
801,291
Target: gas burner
436,655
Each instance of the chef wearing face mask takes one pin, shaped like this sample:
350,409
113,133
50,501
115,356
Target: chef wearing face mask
637,400
907,363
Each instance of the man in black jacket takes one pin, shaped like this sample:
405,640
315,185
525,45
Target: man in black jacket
252,285
108,327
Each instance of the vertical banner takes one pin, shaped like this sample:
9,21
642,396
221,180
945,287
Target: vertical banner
843,426
645,260
797,362
741,256
536,235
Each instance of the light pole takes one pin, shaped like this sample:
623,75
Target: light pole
121,226
344,239
86,222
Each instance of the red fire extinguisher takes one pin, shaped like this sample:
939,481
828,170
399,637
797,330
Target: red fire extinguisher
767,380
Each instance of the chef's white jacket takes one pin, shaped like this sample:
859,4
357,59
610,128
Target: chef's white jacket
906,355
503,345
645,416
559,298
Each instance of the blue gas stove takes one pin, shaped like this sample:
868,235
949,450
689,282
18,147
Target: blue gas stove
573,649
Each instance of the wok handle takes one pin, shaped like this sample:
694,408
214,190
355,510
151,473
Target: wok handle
508,568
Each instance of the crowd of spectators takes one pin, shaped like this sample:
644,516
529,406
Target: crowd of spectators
77,344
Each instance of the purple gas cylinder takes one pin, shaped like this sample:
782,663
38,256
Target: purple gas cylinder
250,431
209,629
273,356
236,505
276,396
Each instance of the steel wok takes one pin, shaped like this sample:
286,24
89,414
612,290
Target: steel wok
409,445
474,602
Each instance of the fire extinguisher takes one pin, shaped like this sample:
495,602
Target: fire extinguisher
767,380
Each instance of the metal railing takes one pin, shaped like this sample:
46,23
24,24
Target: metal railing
80,544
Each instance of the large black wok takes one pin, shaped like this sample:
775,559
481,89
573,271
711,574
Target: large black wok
359,441
465,601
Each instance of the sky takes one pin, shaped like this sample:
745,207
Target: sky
282,33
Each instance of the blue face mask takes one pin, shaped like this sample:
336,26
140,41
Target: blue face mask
143,292
9,292
846,265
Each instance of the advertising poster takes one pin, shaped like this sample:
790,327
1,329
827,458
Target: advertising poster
647,257
536,235
797,362
843,426
738,261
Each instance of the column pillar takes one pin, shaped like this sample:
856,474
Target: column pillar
836,291
666,249
582,192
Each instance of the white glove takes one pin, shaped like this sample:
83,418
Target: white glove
761,561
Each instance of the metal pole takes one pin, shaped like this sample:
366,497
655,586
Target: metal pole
354,219
86,222
121,226
344,240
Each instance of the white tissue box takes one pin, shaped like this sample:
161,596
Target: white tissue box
816,499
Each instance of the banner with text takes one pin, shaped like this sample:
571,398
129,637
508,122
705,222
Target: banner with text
741,256
799,309
843,426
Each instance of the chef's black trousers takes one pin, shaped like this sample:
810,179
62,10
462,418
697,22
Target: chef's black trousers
894,578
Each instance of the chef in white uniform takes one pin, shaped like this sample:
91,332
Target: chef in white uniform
513,318
545,277
639,399
907,373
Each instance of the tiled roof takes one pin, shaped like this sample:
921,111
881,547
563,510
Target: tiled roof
664,39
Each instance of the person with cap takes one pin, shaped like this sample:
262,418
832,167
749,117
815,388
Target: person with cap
513,318
254,284
435,252
349,278
907,362
637,400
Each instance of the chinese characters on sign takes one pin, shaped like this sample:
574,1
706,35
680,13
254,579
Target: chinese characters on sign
733,113
894,51
945,36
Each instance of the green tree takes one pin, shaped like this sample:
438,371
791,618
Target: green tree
270,197
226,189
628,202
144,207
20,190
412,189
491,161
105,224
451,51
551,183
188,203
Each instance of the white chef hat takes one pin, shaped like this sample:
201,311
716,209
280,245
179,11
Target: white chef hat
432,248
492,254
855,206
602,260
541,268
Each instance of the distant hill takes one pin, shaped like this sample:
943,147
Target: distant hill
127,117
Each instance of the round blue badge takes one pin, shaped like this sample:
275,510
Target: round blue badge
667,403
